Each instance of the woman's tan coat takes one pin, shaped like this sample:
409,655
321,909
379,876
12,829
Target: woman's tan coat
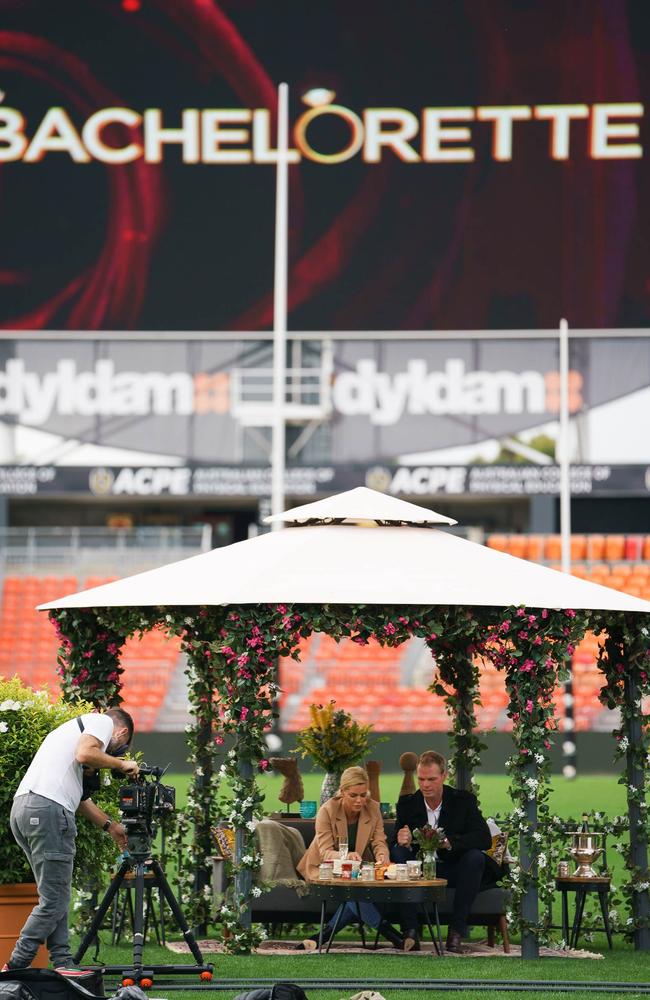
332,824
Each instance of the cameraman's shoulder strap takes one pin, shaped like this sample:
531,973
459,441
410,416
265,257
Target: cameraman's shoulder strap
80,723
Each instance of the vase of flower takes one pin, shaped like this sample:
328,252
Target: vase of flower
429,865
330,786
334,741
429,839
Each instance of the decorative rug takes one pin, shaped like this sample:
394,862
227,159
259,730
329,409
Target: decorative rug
471,949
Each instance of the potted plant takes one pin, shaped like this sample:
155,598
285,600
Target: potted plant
334,741
26,717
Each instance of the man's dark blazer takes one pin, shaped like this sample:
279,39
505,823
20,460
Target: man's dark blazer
460,818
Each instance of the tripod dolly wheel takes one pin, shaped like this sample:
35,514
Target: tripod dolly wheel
128,981
206,976
146,982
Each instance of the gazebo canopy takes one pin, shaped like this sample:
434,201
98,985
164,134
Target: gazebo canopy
358,547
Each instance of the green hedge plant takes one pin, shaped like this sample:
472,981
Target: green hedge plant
26,717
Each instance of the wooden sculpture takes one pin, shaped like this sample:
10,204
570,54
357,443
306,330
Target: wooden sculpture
373,767
292,789
408,762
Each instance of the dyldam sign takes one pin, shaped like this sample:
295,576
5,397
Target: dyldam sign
382,397
243,135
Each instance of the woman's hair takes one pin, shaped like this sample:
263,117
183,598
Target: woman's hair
353,776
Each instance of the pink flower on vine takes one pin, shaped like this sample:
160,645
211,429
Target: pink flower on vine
505,625
111,648
527,666
521,612
547,744
113,676
537,641
243,713
570,649
242,659
529,705
532,618
218,740
570,613
433,637
281,609
360,641
523,634
264,764
545,613
84,675
208,654
389,628
87,655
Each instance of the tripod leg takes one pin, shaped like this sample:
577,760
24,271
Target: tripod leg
91,933
176,910
138,917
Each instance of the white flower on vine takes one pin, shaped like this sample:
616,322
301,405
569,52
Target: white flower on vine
252,824
537,837
9,706
247,859
3,727
541,860
539,758
256,891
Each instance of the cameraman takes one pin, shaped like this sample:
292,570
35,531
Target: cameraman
43,823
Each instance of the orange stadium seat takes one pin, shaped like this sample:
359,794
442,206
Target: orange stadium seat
553,547
518,546
535,548
498,542
595,548
578,547
614,548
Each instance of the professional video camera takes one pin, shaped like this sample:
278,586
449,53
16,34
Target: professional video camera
142,803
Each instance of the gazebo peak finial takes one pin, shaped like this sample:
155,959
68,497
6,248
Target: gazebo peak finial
360,506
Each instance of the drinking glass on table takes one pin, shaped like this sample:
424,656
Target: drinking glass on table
343,848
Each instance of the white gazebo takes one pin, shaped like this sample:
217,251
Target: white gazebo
359,563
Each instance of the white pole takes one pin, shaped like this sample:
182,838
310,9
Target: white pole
280,306
563,440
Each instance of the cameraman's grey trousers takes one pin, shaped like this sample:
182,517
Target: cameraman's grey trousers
46,832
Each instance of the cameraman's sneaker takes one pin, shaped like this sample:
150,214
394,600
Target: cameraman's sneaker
73,971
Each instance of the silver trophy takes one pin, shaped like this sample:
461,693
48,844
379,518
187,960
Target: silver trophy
586,849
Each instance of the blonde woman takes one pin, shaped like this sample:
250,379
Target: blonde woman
352,816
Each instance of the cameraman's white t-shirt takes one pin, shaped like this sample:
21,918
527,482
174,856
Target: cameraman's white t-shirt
55,773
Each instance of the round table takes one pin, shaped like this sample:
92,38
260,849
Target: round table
424,893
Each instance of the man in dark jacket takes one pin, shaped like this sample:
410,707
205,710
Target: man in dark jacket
461,859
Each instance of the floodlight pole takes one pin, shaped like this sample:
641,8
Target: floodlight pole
565,485
278,447
569,756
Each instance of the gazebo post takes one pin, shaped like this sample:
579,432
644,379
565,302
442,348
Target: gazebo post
530,900
203,775
635,782
243,878
462,768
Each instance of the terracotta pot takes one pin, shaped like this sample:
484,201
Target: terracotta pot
16,903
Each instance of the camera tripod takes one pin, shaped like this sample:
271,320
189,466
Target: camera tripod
137,974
